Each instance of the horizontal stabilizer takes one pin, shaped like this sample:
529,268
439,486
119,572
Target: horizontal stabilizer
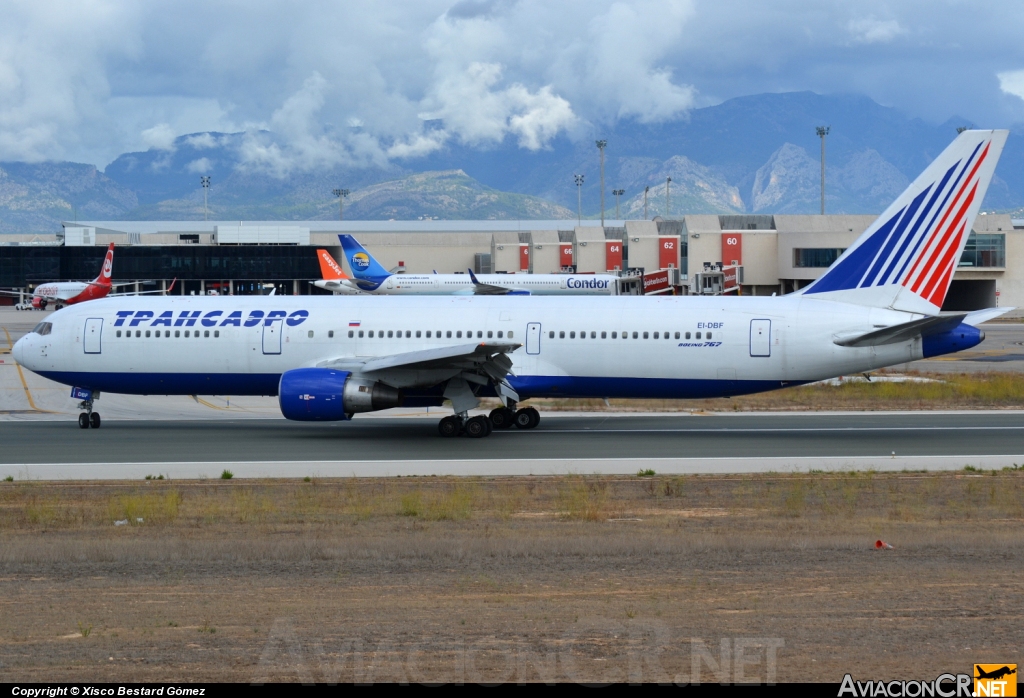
903,332
977,317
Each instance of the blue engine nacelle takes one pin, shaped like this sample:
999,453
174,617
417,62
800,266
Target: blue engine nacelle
327,395
961,337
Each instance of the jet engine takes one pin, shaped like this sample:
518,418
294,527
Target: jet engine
327,395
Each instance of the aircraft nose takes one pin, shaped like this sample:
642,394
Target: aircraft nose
19,350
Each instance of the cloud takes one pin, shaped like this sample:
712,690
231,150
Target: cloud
200,166
348,82
159,137
202,141
1012,82
872,31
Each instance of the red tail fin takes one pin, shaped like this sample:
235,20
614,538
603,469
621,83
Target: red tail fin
329,268
108,267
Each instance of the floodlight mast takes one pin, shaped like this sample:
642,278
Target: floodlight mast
646,189
617,193
822,131
205,181
578,178
601,145
668,199
341,194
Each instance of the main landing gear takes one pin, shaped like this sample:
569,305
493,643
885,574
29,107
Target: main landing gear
480,426
88,418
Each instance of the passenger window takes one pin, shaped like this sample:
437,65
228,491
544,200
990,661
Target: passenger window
206,333
177,333
310,334
634,335
687,335
655,335
510,334
572,335
450,334
677,335
196,334
408,334
138,333
615,335
428,334
119,333
709,335
216,333
351,334
330,334
418,334
561,335
500,333
645,335
147,334
490,334
551,334
458,334
593,335
604,335
360,334
391,334
698,335
479,334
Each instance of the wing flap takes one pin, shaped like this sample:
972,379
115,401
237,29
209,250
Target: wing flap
442,357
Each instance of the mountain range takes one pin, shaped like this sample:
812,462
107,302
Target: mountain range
757,154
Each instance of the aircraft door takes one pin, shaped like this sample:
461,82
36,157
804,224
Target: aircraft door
391,282
93,335
760,337
272,336
533,338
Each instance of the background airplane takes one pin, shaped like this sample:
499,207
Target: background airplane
334,277
62,293
371,277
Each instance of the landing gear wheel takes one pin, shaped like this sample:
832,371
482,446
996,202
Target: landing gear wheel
502,418
449,427
94,420
477,427
83,421
527,418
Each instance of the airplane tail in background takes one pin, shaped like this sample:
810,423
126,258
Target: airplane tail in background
107,269
329,269
905,260
364,267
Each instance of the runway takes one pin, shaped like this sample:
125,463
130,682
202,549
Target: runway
561,444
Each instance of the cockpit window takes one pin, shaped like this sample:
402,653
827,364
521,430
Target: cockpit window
43,328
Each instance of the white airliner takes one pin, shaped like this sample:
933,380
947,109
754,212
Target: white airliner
61,293
327,359
371,277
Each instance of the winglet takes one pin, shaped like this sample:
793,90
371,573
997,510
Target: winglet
472,277
171,287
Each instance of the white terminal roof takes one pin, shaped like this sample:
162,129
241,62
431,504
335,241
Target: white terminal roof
430,226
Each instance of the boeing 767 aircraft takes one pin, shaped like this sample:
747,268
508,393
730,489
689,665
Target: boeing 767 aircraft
328,358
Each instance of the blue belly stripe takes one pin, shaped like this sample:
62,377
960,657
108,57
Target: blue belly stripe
526,386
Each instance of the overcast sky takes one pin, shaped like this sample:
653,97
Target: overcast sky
354,81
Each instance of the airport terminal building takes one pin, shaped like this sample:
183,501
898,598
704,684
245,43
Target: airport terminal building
707,254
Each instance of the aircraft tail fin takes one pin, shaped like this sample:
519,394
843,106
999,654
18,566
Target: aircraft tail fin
107,269
362,263
905,260
330,269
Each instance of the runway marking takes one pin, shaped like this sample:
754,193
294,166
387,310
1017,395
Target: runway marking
28,393
762,430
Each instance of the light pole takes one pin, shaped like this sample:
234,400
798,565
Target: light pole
205,181
822,131
341,194
646,189
668,197
601,145
617,193
578,178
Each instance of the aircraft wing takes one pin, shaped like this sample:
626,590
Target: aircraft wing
902,332
142,293
481,289
480,362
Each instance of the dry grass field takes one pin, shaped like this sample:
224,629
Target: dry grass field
583,578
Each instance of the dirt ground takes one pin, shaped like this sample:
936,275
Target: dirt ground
697,578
